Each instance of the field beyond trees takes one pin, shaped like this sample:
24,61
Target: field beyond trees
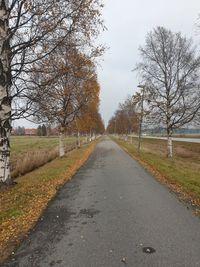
24,144
181,174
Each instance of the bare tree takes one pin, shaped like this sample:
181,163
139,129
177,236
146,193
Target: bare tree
30,30
131,114
170,67
125,119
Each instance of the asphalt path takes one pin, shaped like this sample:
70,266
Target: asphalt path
112,213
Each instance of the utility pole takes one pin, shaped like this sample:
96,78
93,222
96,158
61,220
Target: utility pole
141,116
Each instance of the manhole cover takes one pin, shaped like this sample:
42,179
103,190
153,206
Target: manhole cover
148,250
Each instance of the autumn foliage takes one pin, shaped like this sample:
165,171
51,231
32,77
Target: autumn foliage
125,119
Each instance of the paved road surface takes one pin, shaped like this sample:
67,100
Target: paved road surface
107,215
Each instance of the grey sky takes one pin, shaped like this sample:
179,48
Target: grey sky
128,22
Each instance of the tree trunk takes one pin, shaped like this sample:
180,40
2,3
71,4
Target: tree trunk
5,101
61,143
5,176
169,145
90,135
78,140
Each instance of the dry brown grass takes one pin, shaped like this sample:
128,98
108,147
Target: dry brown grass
187,154
31,160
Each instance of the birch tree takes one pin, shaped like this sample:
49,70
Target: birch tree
5,84
31,30
125,119
89,120
170,69
72,86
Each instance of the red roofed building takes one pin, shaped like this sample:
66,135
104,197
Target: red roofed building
30,131
54,131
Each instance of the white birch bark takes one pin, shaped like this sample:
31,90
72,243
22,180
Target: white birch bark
61,144
90,138
169,147
5,85
79,140
169,141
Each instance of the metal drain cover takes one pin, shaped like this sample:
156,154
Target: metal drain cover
148,250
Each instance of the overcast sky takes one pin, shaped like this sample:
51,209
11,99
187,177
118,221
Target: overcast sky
128,22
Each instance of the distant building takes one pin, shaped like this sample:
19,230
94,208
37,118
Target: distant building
19,131
53,131
30,131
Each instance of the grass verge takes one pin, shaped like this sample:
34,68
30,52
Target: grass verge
22,204
181,175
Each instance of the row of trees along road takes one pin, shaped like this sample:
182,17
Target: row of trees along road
170,76
125,119
46,63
